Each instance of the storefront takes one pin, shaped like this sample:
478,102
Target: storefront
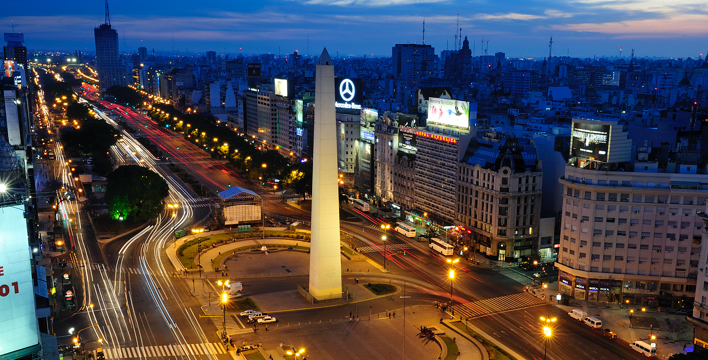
581,286
593,289
565,283
396,210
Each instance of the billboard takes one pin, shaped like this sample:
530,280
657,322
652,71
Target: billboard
253,69
589,141
449,112
298,112
348,94
407,139
9,67
281,87
362,171
368,136
369,116
18,321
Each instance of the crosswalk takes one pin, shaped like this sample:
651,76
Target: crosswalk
516,276
497,305
158,351
392,248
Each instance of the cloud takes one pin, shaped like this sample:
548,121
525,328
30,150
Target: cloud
684,24
370,2
509,16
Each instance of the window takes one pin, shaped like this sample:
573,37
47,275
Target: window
621,233
608,245
636,198
656,248
583,243
606,257
646,222
610,220
619,258
572,240
599,207
609,232
503,211
645,235
619,245
600,197
649,199
595,257
631,246
611,208
624,197
643,247
623,209
583,255
588,195
612,197
598,219
572,252
596,244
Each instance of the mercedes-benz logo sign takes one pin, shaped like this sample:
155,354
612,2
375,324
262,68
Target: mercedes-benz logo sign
347,90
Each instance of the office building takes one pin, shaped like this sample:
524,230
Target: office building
629,230
458,65
15,51
520,82
108,62
211,58
411,63
499,195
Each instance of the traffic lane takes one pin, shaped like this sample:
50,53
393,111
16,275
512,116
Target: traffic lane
521,330
475,283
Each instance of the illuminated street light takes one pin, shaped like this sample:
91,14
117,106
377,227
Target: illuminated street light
385,228
547,332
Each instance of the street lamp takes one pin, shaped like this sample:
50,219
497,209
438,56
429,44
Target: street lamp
451,276
547,332
224,300
385,228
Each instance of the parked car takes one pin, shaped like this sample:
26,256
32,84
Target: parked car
266,320
683,311
248,313
254,317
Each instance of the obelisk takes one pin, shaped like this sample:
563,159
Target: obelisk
325,258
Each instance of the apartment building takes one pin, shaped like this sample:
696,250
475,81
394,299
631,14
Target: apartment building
699,316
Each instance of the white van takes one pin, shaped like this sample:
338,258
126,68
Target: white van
578,314
593,322
643,348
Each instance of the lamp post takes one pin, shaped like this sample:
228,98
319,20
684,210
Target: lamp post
451,276
264,166
224,300
385,228
547,332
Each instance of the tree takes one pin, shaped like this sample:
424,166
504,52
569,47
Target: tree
77,111
135,193
125,95
93,137
697,354
678,327
299,179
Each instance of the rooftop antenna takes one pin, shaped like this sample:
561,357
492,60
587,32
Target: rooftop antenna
550,52
620,51
459,44
108,17
423,31
13,25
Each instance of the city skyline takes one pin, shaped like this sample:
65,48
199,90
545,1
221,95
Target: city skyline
583,28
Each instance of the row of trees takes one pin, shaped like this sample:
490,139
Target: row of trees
135,193
125,95
242,153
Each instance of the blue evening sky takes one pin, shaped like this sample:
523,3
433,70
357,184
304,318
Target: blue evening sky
520,28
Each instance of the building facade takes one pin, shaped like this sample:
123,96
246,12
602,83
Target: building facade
699,316
499,195
108,62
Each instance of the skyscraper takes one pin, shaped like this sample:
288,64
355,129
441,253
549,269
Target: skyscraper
412,63
108,63
14,49
142,52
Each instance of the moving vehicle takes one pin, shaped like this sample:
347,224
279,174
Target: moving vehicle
233,288
99,354
266,320
593,322
405,229
610,334
442,247
248,313
643,348
254,317
540,274
578,314
362,205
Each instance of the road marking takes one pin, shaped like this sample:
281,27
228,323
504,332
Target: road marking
206,350
498,305
152,350
211,348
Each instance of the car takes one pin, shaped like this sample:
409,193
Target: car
683,311
267,320
540,274
247,313
610,334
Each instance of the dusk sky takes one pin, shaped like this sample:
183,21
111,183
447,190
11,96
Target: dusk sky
580,28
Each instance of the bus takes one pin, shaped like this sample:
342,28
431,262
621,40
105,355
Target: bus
442,247
362,205
405,229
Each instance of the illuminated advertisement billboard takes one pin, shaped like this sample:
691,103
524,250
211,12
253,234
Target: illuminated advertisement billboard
449,112
18,321
253,69
407,139
369,116
298,112
9,67
348,94
589,141
281,87
368,136
362,170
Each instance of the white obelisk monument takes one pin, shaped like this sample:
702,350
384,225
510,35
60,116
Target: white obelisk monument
325,258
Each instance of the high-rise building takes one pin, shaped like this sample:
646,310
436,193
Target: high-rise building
458,66
142,53
108,62
411,63
211,58
14,50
